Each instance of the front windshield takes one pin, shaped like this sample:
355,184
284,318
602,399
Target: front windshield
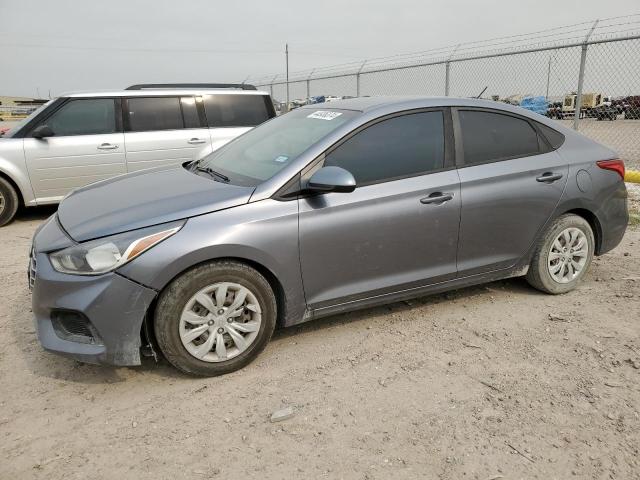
18,125
262,152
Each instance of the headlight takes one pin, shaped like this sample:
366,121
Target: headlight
108,253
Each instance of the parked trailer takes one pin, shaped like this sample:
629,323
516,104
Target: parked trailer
587,109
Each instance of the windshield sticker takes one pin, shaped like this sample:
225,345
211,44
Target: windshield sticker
324,115
281,159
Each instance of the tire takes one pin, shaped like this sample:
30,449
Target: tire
176,299
540,276
9,202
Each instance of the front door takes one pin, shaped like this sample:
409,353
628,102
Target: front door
398,230
87,146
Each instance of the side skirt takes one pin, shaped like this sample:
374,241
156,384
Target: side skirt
486,277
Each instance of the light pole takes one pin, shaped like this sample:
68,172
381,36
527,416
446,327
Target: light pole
286,54
548,77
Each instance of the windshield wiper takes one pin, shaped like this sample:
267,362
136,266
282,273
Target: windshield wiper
212,173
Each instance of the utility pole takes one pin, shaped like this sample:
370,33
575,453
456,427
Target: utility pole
286,53
548,76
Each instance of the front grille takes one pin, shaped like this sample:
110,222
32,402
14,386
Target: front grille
73,326
31,274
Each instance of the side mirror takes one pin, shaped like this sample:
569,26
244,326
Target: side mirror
42,131
332,179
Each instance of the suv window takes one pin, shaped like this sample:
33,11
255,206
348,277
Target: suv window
190,112
84,117
237,110
488,136
154,113
401,146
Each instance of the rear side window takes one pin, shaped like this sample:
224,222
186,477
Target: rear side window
84,117
148,114
190,112
488,137
402,146
555,138
237,110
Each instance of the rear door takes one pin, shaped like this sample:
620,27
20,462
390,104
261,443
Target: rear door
162,131
511,181
88,146
231,114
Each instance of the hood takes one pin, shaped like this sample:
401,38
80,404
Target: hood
142,199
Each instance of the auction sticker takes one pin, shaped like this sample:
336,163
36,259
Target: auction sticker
324,115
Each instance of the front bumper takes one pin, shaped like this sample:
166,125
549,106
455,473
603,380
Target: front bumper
113,306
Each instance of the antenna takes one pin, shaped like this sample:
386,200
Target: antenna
483,90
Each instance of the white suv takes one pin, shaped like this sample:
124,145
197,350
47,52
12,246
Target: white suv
82,138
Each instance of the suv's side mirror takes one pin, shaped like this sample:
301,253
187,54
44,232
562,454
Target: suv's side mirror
42,131
332,179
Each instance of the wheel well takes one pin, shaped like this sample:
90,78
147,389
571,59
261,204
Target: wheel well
147,335
15,187
590,217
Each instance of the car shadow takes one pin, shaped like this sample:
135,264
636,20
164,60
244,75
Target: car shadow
35,213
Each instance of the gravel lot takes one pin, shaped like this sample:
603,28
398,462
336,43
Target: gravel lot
490,382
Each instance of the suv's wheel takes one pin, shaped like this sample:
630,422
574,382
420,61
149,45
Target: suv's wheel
562,256
215,318
8,202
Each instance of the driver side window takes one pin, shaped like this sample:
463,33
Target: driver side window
84,117
399,147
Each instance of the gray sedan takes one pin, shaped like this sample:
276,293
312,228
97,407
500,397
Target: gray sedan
323,210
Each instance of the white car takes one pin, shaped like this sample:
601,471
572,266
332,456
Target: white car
82,138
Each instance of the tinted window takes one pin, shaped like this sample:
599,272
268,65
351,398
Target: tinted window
84,117
146,114
236,110
398,147
556,139
492,136
190,112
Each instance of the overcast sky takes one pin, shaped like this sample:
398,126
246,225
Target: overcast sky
66,45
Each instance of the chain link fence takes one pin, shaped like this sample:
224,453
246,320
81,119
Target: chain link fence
586,75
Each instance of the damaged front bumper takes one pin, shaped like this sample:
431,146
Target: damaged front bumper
93,319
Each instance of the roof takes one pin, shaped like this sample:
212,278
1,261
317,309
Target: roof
367,104
161,92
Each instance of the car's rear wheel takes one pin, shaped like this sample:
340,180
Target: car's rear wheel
8,202
562,256
215,318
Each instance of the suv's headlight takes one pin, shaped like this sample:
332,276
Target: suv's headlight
108,253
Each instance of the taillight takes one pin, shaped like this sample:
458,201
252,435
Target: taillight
613,165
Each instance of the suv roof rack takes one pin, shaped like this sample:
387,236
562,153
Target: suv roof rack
241,86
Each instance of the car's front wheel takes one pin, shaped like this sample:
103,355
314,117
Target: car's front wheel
562,256
215,318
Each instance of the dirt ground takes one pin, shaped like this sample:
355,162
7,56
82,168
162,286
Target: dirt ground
491,382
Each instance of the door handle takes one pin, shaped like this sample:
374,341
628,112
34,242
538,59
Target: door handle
107,146
196,141
436,198
549,177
